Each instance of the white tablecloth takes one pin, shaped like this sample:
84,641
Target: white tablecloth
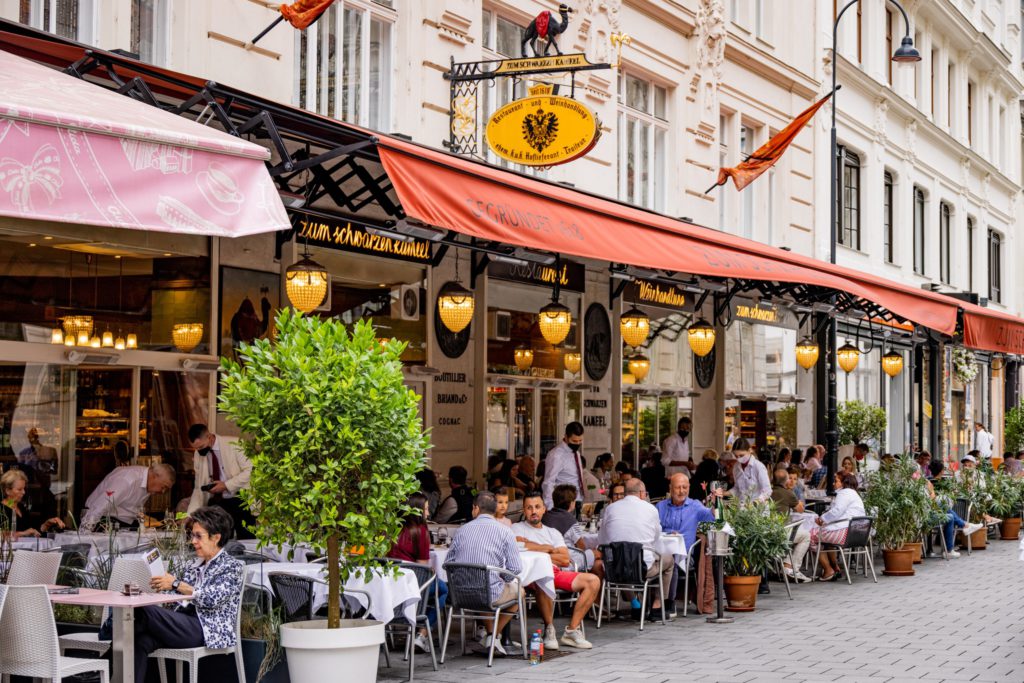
536,568
667,544
386,593
271,552
100,544
33,544
806,519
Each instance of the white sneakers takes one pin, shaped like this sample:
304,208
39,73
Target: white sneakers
971,528
485,643
574,638
550,638
953,553
797,575
421,643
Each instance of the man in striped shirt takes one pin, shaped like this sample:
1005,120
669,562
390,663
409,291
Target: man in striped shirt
487,541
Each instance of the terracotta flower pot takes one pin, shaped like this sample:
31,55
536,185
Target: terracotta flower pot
741,593
979,539
898,562
918,550
1010,529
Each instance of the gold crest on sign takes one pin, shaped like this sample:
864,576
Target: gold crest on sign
540,129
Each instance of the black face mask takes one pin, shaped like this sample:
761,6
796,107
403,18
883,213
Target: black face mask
683,433
205,451
574,447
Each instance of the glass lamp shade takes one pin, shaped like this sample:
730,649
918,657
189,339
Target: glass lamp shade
807,352
132,341
108,339
848,356
187,336
524,359
95,342
56,336
455,305
119,343
83,338
555,321
701,336
892,363
306,284
75,325
572,361
635,325
639,366
69,341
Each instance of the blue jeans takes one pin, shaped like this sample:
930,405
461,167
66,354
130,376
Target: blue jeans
442,596
953,522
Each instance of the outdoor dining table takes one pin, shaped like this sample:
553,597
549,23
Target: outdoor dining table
667,544
38,544
386,593
270,552
537,568
123,607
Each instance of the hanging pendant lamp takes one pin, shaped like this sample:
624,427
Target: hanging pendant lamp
639,366
848,356
572,361
892,363
524,358
701,336
306,283
555,322
635,326
807,352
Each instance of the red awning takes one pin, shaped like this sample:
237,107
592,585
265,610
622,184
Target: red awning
494,204
989,330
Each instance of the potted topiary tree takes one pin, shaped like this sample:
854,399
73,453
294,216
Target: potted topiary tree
859,421
899,502
760,539
335,441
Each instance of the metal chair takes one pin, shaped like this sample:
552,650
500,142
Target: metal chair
469,592
31,568
632,579
124,571
858,543
400,625
691,556
29,637
780,562
294,595
962,507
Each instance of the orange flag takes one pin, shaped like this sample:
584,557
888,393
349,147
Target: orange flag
768,153
302,13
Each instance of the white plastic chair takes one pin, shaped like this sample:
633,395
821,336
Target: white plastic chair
192,655
30,568
124,571
29,637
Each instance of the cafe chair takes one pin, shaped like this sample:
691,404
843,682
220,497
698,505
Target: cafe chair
294,595
692,555
399,625
29,636
469,599
3,597
31,568
858,544
963,508
124,571
632,579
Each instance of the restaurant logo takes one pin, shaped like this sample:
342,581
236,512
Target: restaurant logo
542,64
763,314
350,236
571,276
658,294
543,130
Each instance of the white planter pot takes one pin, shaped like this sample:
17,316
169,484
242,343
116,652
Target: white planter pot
317,654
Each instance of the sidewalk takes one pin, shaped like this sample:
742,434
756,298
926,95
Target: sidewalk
954,621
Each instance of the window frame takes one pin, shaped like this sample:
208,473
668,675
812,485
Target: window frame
970,253
87,23
920,230
995,266
652,126
161,33
888,195
848,235
945,219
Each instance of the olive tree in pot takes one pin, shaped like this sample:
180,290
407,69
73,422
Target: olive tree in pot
1005,493
335,441
900,504
760,539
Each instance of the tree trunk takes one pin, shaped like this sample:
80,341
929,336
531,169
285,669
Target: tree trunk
333,583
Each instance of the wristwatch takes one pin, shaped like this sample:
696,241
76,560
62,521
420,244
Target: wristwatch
175,584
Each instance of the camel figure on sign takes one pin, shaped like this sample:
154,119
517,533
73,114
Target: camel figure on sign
546,27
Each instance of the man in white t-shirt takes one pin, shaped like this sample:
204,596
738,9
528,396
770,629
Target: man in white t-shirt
983,441
544,539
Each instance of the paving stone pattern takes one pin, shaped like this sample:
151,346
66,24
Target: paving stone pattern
954,621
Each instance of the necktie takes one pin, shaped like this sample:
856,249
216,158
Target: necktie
579,474
214,466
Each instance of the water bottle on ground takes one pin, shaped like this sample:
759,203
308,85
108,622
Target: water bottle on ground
536,647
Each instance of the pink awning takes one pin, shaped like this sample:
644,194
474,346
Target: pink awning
74,152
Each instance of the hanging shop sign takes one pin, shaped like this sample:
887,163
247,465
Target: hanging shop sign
554,63
352,236
542,131
571,276
763,314
659,294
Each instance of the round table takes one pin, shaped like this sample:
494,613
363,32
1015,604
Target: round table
537,568
667,544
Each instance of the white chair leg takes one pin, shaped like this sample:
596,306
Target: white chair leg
601,597
239,664
447,632
178,666
494,638
162,667
643,606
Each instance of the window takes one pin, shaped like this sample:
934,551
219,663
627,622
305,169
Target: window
860,31
944,238
71,19
991,130
150,22
934,82
917,73
723,160
763,19
889,51
919,231
950,99
995,266
970,113
643,131
746,149
848,199
887,228
353,40
970,254
999,136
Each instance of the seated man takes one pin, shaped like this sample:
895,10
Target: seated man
786,503
563,519
544,539
485,541
634,520
616,492
681,514
457,507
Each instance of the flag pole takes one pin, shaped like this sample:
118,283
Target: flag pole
267,30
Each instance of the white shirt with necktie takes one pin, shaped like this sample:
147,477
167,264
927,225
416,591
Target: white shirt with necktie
562,466
235,470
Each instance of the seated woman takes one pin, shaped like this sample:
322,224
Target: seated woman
19,520
849,465
214,582
834,524
707,472
413,545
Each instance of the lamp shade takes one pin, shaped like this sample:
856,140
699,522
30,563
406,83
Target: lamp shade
108,339
906,52
132,341
572,361
187,336
555,321
524,358
56,336
848,356
74,325
635,326
807,352
94,342
702,337
639,366
306,284
119,343
455,305
892,363
69,341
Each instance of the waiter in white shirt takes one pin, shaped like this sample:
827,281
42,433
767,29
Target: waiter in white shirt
675,450
750,474
983,441
123,493
222,471
563,465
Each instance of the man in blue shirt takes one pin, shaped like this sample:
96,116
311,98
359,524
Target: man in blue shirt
681,514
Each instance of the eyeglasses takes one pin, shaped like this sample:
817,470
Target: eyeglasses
197,535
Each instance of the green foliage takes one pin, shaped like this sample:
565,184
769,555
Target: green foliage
1013,429
1005,494
263,624
76,614
760,538
973,484
334,437
899,502
859,422
785,422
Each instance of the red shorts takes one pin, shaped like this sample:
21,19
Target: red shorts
564,579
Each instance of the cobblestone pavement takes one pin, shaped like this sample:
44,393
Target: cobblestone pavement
953,621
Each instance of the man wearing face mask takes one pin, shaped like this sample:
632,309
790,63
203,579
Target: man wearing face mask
223,471
563,465
675,451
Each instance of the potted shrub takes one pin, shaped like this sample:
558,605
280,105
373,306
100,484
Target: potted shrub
900,504
335,440
760,539
974,485
1005,493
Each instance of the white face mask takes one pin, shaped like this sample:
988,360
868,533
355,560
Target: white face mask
744,459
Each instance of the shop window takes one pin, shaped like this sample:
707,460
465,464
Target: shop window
919,232
848,198
864,383
887,216
512,325
761,359
150,28
353,40
72,19
643,135
944,242
497,421
995,266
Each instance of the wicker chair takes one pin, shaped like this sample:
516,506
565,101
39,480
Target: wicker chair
29,637
469,593
633,581
124,571
400,625
858,543
29,568
962,507
294,595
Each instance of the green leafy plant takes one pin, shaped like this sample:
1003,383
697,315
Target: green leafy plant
859,422
760,539
785,422
899,502
265,625
334,437
1005,495
1013,429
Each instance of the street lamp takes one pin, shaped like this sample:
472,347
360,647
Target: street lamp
905,54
